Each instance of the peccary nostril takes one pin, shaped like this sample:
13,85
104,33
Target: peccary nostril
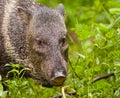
59,78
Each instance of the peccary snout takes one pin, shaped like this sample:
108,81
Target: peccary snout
59,78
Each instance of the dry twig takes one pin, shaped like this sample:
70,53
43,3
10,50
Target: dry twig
103,77
63,91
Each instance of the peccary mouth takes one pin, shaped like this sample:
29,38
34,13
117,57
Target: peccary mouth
48,83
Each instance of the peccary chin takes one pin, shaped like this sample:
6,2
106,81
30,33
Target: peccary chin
47,46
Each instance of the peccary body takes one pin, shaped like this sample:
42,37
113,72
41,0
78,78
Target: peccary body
34,36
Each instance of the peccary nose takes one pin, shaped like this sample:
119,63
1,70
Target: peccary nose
59,78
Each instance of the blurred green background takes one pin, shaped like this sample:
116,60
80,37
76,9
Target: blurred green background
94,51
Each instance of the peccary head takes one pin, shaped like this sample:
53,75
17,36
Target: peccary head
46,44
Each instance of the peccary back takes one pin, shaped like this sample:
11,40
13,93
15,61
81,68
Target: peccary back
34,35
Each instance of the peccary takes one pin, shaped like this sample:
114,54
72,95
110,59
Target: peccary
34,35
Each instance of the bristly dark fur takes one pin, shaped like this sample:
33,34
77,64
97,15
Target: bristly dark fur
34,36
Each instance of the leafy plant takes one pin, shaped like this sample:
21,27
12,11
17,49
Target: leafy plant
3,93
17,70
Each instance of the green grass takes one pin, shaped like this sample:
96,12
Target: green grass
94,39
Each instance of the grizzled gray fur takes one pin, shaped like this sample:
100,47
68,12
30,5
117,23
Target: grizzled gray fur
34,35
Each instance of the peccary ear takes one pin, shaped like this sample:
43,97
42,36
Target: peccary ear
60,8
24,15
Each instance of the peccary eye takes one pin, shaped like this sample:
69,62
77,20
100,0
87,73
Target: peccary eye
63,41
39,42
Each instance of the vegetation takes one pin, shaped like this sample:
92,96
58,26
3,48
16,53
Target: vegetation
94,54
